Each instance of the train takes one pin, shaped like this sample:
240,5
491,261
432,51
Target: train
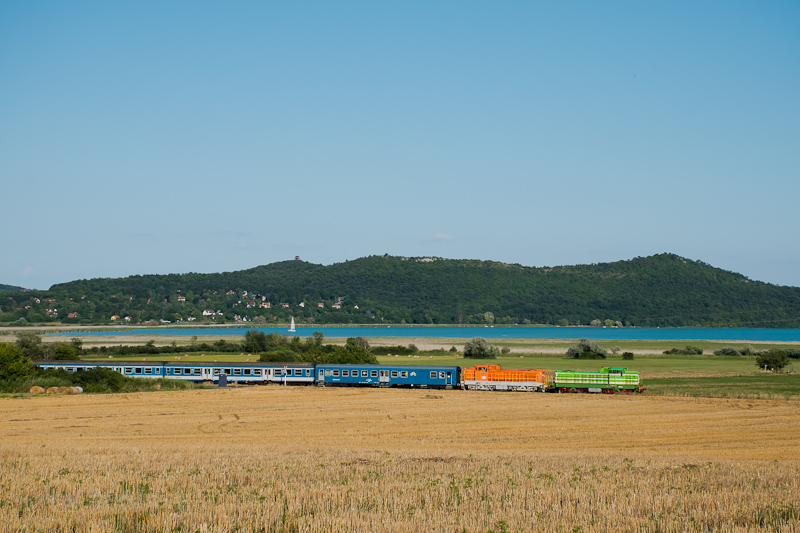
608,380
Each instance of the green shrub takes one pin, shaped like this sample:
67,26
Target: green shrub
628,356
478,348
773,359
727,350
587,349
687,350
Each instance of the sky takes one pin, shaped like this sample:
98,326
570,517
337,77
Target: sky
171,137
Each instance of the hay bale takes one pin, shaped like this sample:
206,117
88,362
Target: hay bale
77,390
36,389
52,390
64,390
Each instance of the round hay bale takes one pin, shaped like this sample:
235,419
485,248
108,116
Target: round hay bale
36,389
64,390
51,390
77,390
111,357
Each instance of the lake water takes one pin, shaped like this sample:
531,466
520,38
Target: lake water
497,332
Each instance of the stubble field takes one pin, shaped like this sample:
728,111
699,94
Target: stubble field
310,459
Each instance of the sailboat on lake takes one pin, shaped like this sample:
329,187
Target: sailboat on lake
291,327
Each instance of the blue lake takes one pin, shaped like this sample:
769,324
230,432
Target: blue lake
497,332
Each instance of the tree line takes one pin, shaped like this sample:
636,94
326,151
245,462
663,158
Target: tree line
661,290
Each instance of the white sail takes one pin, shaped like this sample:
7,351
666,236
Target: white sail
291,328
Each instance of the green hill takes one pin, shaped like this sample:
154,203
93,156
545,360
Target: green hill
660,290
10,288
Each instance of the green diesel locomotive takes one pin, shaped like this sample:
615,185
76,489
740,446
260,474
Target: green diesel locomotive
607,380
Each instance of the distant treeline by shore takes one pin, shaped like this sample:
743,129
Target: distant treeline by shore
663,290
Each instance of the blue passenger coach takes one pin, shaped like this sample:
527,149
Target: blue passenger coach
245,372
443,377
138,369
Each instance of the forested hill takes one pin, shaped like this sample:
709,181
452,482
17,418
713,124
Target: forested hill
660,290
10,288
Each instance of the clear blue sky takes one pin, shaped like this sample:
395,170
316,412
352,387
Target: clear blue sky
159,137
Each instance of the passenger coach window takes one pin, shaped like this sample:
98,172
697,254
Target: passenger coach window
128,370
246,371
394,373
403,374
196,371
237,371
328,372
433,375
148,370
373,373
257,372
336,373
308,372
441,375
298,371
345,373
138,370
216,371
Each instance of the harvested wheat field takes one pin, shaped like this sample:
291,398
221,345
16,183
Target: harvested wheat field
310,459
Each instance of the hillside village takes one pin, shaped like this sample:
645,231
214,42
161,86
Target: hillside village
248,307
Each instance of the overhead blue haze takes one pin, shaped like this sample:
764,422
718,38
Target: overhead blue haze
157,137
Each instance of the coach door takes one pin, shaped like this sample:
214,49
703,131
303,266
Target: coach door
208,373
449,381
384,378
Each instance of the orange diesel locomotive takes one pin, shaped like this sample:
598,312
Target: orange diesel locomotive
492,377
